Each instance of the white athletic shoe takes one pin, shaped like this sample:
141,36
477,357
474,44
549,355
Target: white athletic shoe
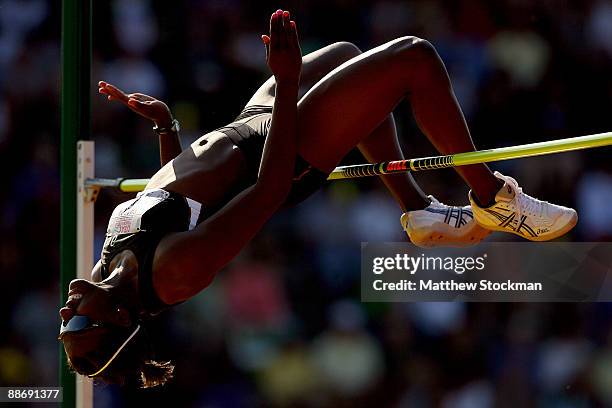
442,225
523,215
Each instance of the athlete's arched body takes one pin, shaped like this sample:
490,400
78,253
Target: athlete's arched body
208,201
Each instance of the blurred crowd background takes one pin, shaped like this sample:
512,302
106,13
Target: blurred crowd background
283,325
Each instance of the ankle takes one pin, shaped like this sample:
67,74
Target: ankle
484,201
487,199
415,203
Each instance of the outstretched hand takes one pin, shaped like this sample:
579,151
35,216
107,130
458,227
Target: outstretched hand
145,105
283,53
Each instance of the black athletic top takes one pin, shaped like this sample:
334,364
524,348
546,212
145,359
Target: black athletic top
139,225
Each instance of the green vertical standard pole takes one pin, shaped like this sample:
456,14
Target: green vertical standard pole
75,124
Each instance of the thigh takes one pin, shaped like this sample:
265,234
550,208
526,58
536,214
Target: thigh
351,101
315,66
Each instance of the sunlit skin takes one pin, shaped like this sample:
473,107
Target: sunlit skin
325,104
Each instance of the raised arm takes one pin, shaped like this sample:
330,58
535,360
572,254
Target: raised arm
185,263
154,110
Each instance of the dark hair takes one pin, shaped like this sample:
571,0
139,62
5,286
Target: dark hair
134,366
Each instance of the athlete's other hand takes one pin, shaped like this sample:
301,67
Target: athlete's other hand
283,52
142,104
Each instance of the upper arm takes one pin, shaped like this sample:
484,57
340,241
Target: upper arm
186,262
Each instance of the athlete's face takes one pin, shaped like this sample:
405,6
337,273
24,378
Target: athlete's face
95,301
85,348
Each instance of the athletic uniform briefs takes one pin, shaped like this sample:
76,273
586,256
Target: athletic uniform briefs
249,131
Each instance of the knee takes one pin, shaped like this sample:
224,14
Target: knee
415,49
346,50
419,58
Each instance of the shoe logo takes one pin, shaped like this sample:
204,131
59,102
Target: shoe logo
511,222
454,215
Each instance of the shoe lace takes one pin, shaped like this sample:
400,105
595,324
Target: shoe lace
527,204
433,200
437,203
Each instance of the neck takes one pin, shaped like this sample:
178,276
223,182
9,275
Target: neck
123,280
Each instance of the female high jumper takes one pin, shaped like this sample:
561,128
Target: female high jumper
208,201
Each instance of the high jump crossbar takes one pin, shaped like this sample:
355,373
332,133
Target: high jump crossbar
420,164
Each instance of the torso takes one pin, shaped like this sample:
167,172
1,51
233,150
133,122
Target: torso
206,172
211,171
214,169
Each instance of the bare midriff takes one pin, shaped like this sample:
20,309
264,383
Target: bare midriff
206,171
